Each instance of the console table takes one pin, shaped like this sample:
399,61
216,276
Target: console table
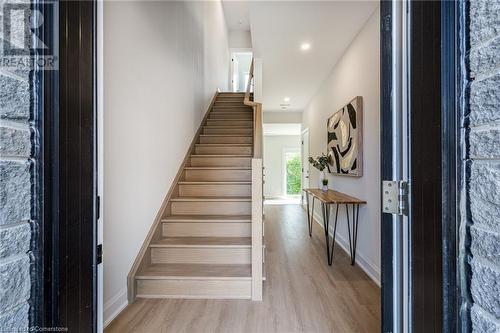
328,198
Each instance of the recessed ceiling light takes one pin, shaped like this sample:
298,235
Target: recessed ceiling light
286,99
305,46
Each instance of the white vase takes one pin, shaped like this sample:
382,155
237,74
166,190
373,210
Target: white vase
321,177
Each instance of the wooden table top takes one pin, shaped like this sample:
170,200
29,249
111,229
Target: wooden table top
332,196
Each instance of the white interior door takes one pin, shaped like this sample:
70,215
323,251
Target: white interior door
305,162
235,79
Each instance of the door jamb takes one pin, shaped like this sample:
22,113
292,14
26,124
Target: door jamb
386,162
304,131
456,295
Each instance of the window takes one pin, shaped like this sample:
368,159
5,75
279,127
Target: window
292,173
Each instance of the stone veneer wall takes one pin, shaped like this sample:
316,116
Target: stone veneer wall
16,165
483,162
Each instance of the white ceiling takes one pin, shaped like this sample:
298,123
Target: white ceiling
281,129
278,29
237,15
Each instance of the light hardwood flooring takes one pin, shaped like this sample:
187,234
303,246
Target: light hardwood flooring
301,294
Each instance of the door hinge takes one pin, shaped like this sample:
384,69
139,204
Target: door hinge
99,253
395,197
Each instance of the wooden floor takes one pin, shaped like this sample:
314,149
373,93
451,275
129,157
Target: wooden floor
301,294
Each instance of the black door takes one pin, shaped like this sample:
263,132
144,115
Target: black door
417,56
69,170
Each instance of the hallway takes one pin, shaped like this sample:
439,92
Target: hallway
301,294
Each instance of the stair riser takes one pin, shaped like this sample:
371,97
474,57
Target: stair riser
239,98
240,131
221,161
194,289
231,94
207,229
212,122
231,115
201,255
224,109
218,175
211,208
225,139
223,150
240,102
229,103
214,190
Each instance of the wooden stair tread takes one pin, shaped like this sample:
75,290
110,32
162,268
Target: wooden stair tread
214,199
225,144
223,156
218,168
207,218
228,135
228,126
238,111
216,182
195,271
203,242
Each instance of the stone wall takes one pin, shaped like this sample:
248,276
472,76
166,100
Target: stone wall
483,142
15,198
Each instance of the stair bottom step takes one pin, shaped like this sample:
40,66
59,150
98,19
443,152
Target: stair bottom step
195,281
195,289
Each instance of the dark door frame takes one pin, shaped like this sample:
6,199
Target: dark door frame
438,271
67,173
386,162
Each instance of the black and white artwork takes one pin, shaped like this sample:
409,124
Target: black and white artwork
345,141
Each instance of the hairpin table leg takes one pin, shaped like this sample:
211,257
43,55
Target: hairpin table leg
354,237
354,231
326,224
310,216
330,258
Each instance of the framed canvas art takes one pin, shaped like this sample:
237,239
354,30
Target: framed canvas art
345,139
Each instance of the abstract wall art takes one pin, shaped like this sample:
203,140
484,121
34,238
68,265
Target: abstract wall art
345,139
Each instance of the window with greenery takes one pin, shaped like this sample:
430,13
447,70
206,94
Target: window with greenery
293,173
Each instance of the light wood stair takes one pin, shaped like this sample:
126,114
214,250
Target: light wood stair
201,247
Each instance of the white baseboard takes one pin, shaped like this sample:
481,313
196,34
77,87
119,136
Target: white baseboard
369,268
114,306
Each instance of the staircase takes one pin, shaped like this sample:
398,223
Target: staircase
201,246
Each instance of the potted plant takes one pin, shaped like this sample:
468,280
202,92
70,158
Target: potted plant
325,184
320,163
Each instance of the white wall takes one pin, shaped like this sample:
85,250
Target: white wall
282,117
240,39
273,162
163,62
356,73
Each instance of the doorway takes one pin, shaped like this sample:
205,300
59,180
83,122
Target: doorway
282,163
305,162
240,70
